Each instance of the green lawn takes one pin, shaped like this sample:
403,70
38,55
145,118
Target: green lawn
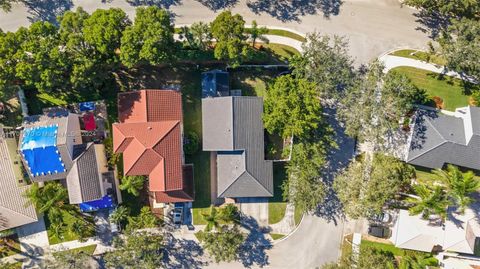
286,34
298,214
90,249
390,249
425,175
65,235
192,109
451,90
276,204
420,55
281,51
277,236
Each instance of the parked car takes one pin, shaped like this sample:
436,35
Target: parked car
379,231
178,215
383,217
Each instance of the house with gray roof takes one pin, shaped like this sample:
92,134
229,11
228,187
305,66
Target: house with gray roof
15,210
437,139
232,127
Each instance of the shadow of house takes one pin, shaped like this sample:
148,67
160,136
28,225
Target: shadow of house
159,3
216,5
46,10
292,10
253,251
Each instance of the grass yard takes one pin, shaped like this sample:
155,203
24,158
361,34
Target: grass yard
452,90
281,51
12,248
390,249
425,175
276,204
90,249
286,33
420,55
65,235
277,236
298,214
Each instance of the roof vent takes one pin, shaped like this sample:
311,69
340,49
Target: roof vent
149,128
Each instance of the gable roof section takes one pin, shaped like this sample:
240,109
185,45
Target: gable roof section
149,136
233,126
84,179
14,208
438,139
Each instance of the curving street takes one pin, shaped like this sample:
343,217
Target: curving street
372,26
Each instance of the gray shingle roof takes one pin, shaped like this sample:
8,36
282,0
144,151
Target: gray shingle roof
14,208
233,126
84,181
438,139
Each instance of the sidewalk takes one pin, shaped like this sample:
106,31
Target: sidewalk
287,224
391,62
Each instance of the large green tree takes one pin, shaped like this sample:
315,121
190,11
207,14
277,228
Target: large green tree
292,107
257,33
149,39
374,106
222,245
229,33
325,61
449,8
6,5
136,250
366,185
460,45
198,35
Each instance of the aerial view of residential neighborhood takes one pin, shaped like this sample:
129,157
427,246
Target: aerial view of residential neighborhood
229,134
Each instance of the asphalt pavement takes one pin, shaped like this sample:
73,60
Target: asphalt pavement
372,26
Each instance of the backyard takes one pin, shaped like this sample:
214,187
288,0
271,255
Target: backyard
64,235
453,92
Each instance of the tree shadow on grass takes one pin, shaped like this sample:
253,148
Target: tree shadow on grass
253,250
216,5
159,3
292,10
46,10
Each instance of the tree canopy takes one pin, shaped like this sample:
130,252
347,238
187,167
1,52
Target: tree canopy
376,103
229,33
461,47
366,185
149,39
449,8
222,245
325,61
292,107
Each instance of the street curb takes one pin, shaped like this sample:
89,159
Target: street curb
289,234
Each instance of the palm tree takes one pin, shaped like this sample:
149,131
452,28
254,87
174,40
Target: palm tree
230,214
119,215
52,195
132,184
430,200
459,185
212,218
417,261
257,33
81,228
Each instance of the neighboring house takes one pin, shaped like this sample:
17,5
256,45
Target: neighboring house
438,139
149,135
459,233
233,128
15,210
52,148
215,83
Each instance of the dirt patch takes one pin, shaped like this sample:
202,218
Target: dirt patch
376,239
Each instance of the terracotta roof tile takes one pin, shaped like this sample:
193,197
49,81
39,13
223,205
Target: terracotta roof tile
150,138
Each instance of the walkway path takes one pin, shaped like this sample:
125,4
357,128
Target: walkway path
287,224
391,62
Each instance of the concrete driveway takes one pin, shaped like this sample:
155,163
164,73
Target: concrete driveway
373,26
257,208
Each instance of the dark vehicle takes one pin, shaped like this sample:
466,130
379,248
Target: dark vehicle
379,231
178,215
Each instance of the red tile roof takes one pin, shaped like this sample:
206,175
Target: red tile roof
149,135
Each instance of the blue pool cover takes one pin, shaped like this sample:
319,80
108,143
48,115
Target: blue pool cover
105,202
39,149
87,106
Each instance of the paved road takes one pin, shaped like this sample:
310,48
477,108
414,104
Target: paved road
372,26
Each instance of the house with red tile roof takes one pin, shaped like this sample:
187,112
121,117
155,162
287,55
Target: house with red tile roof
149,135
